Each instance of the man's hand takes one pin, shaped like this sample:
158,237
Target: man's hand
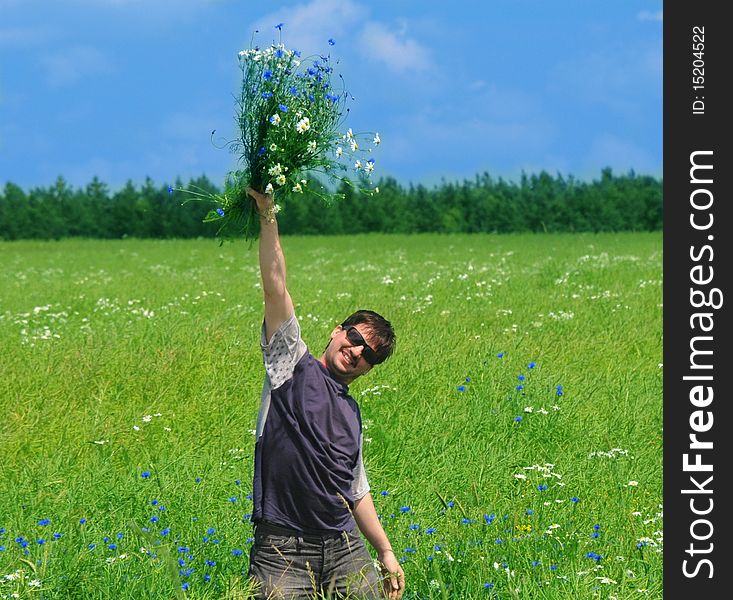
393,576
263,201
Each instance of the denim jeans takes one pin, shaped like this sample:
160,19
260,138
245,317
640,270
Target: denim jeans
290,567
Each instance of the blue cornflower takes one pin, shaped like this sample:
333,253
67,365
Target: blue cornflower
249,496
207,577
2,548
530,512
437,547
2,530
182,549
520,387
106,539
640,545
542,487
450,503
112,546
237,482
211,531
262,151
92,546
279,53
170,189
181,562
145,474
595,534
410,550
489,518
293,90
120,536
405,509
518,418
279,26
166,531
267,75
57,536
415,527
153,519
559,390
237,552
41,542
536,563
499,542
553,567
520,377
311,97
488,586
466,521
82,521
282,107
500,355
596,526
184,586
249,540
220,212
233,499
266,95
331,42
531,365
430,530
187,572
211,563
461,388
575,499
44,522
384,493
161,508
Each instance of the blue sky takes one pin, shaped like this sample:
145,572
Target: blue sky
125,89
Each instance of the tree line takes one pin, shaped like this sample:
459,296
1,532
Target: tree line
535,203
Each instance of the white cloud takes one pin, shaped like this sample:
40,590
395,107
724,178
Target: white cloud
648,15
21,37
69,66
608,150
398,52
308,27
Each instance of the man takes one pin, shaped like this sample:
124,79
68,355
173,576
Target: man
310,488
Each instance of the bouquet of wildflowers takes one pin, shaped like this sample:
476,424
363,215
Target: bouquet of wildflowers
290,116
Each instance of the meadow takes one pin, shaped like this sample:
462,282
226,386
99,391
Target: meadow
513,442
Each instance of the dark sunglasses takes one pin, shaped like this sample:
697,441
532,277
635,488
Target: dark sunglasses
356,339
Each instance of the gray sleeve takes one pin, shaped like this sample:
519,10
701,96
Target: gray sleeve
282,352
360,486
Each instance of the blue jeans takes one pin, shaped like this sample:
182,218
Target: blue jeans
287,565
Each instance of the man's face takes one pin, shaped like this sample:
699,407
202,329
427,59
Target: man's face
344,359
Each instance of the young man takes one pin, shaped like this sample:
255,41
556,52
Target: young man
310,488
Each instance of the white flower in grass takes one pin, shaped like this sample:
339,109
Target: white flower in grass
276,170
312,145
520,476
34,583
376,190
280,180
357,165
632,483
377,140
273,147
298,188
350,134
369,167
275,119
339,151
304,181
268,188
354,146
303,125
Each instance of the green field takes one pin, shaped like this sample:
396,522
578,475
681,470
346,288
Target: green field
131,374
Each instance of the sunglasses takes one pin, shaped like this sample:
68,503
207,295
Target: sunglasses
356,339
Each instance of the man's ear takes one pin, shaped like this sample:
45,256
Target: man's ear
336,330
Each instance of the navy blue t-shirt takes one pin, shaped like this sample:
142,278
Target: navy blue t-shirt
308,467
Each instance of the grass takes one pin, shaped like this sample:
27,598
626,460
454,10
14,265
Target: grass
123,358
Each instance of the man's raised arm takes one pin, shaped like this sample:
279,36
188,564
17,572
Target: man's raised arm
278,304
